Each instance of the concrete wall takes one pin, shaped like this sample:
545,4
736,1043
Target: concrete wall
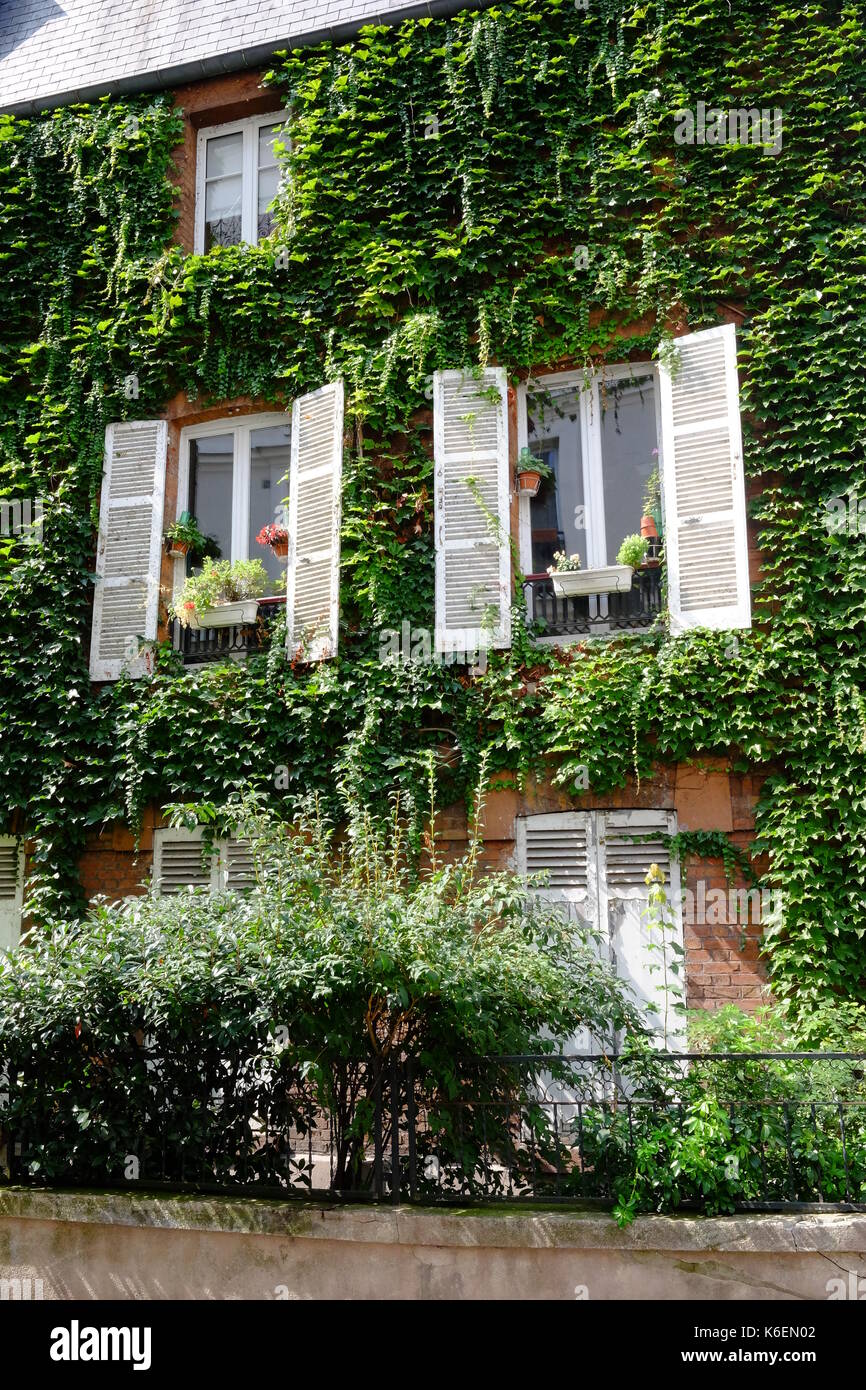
130,1246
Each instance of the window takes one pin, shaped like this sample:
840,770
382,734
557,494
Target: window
601,440
238,173
180,861
596,863
234,477
11,892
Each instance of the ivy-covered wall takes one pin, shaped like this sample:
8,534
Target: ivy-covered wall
407,252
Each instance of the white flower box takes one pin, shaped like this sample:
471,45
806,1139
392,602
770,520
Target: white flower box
226,614
607,579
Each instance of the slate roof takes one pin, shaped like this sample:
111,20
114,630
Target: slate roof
56,51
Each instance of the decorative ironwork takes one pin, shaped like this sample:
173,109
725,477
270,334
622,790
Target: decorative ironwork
594,613
197,645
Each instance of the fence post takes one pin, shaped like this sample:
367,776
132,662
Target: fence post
395,1129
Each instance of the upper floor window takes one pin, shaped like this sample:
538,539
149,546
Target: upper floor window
237,181
600,438
234,479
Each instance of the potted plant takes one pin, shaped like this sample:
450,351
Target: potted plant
184,537
277,537
651,521
531,472
223,594
569,580
633,552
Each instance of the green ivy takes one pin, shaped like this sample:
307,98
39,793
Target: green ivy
412,247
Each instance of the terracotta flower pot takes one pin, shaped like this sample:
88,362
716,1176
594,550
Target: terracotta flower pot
280,548
529,482
177,549
648,528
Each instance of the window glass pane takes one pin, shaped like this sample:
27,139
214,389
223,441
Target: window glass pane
269,490
210,488
268,134
558,513
225,155
222,213
628,454
268,180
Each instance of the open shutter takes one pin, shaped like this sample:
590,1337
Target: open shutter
11,892
629,843
706,545
472,514
315,479
129,552
178,862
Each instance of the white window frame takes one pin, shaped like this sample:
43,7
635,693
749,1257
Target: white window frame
590,438
249,127
240,428
14,907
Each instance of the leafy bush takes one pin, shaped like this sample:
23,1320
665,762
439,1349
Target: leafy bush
633,551
192,1025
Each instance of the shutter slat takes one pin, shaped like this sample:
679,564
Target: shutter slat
472,511
706,542
11,892
129,550
313,569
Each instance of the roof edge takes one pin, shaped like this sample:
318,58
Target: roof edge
162,79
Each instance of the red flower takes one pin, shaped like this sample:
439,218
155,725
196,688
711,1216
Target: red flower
272,535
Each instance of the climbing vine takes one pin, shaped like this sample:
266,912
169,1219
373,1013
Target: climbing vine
441,176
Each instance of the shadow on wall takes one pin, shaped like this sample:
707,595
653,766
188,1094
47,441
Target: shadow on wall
19,22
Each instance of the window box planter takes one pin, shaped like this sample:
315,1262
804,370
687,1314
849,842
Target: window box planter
607,579
225,615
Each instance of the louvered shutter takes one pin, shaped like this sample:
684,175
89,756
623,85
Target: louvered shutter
315,479
706,543
178,862
562,846
473,552
629,843
11,893
129,551
240,871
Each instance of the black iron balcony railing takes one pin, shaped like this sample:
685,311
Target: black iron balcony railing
216,643
594,613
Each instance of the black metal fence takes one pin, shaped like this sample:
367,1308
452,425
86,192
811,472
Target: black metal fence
770,1129
199,645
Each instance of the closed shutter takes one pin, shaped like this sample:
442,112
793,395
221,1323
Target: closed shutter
240,868
706,542
11,892
178,863
630,842
129,551
472,511
596,863
315,480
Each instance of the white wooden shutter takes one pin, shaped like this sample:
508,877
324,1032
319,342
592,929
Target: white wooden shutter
629,843
315,479
473,553
129,552
240,869
178,862
562,846
706,544
11,892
